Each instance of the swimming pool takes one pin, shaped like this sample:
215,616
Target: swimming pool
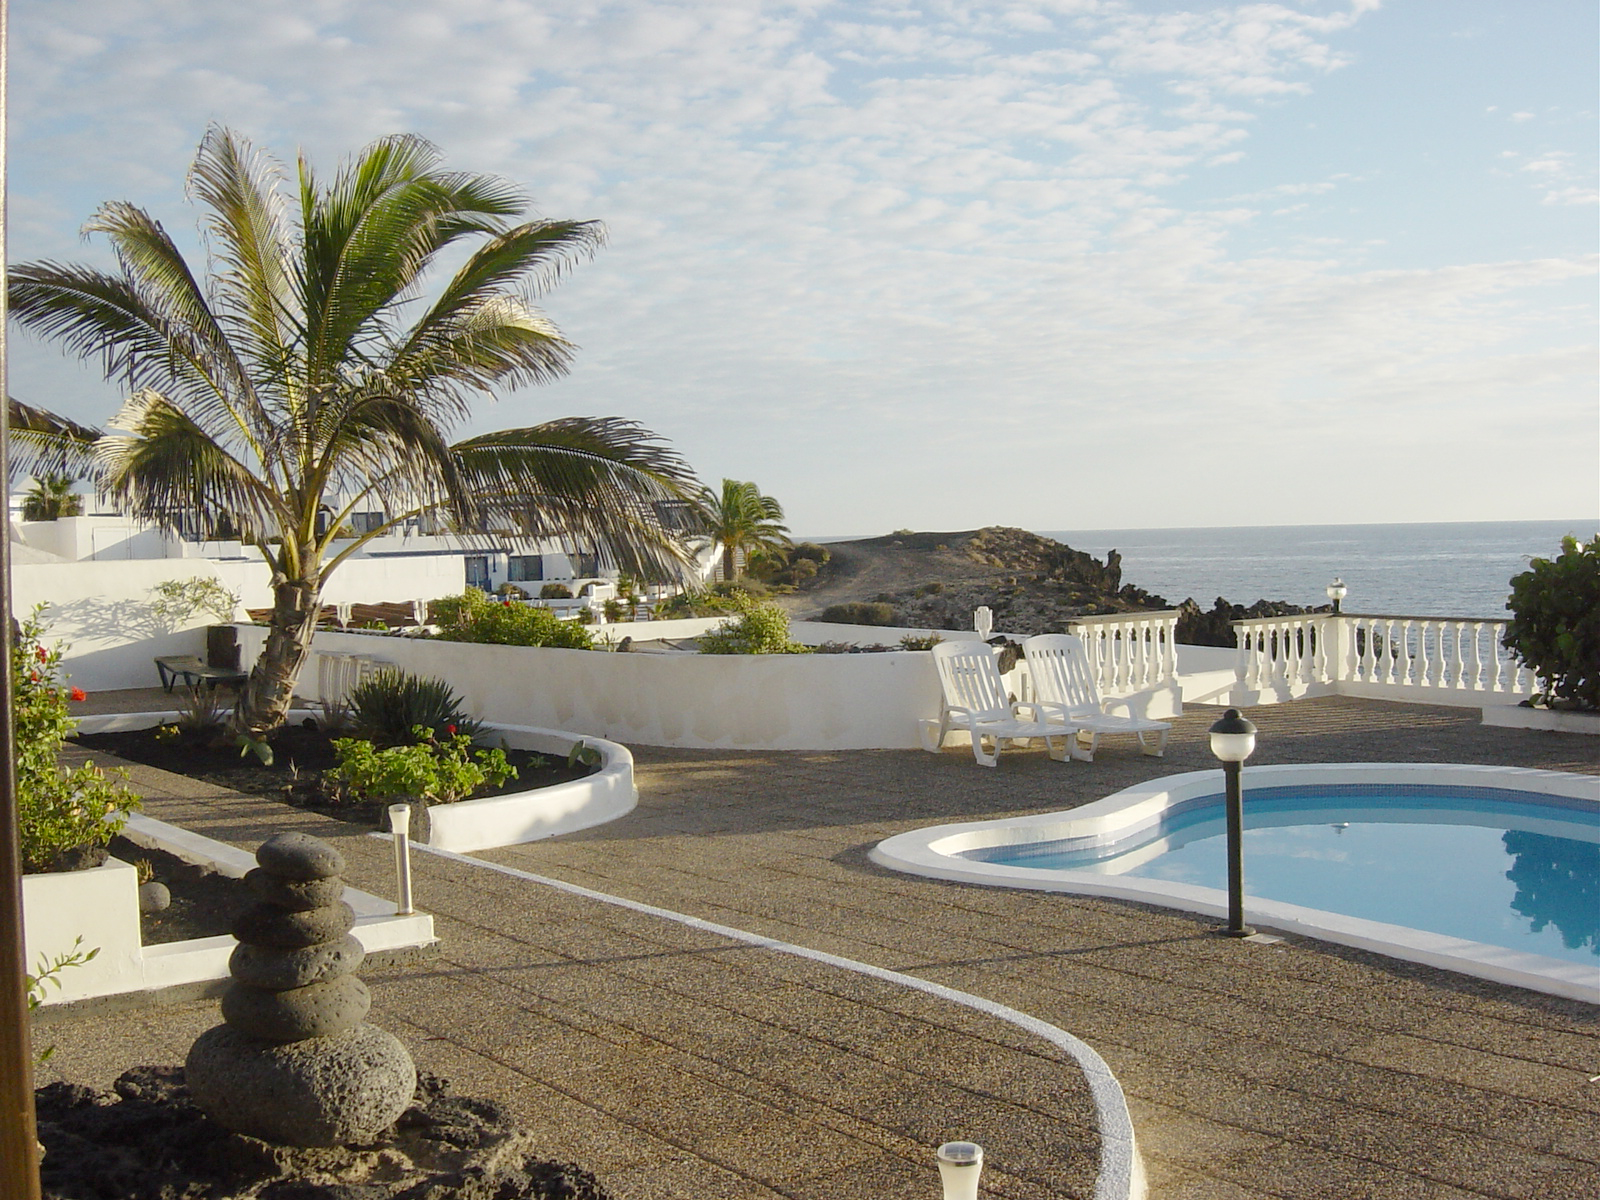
1485,870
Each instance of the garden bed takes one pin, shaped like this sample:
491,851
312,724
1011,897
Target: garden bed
300,754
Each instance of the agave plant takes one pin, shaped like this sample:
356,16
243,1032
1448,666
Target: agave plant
389,707
307,377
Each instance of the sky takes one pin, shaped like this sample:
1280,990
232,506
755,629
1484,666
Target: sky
1061,264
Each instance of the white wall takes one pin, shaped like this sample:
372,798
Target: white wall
102,608
753,702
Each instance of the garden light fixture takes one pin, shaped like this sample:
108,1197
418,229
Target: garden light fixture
1233,739
1337,592
960,1164
400,824
983,621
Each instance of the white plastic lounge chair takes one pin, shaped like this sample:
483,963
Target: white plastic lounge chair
1064,688
975,699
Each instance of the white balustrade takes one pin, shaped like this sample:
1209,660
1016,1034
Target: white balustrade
1446,656
1130,652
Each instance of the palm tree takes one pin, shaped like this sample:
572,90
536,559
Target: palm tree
50,498
307,371
741,520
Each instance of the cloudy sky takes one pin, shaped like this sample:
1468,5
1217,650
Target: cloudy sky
938,263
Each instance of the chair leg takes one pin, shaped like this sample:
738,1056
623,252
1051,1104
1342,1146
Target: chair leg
1161,743
1064,754
991,758
1078,750
932,747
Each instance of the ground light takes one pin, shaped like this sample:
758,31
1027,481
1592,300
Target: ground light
1233,739
960,1164
400,826
1337,592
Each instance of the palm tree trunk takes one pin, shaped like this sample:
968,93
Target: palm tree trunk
729,558
297,603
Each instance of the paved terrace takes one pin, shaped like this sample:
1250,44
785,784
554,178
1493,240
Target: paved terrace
677,1064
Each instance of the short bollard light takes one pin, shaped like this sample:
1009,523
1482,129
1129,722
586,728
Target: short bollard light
960,1164
1233,739
1337,592
400,824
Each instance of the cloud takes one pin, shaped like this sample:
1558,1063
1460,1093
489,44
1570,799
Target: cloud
837,228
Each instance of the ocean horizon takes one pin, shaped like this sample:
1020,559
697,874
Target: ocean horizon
1443,568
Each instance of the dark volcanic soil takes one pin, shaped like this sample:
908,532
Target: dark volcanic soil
146,1140
204,902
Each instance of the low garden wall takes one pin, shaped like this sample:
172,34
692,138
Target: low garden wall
751,702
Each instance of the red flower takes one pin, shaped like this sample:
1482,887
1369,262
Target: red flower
450,729
79,694
40,653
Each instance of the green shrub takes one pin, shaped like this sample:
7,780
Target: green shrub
59,813
927,642
1555,624
720,599
390,706
432,770
474,617
759,629
555,591
859,612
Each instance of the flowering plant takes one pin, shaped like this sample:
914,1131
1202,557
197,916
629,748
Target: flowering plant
58,811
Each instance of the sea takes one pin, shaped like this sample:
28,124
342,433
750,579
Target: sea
1451,569
1441,569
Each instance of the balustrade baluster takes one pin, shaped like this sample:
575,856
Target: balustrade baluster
1477,657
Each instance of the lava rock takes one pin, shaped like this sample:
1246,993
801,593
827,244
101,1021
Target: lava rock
321,1092
267,925
154,897
299,856
147,1140
279,970
318,1010
295,895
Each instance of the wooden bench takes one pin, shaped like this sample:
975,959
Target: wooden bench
192,672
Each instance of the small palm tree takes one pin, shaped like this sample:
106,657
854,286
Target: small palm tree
308,373
50,498
742,521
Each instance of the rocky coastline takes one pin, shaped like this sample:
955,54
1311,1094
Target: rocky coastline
1033,584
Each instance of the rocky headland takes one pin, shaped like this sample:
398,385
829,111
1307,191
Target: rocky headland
1033,584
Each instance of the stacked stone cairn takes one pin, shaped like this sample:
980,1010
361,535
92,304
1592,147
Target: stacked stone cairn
294,1062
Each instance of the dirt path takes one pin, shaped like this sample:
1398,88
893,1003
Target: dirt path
866,569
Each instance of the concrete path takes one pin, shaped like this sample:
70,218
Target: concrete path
679,1065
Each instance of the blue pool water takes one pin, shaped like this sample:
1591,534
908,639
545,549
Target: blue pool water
1485,864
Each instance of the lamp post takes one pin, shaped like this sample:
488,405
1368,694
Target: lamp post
1233,739
1337,592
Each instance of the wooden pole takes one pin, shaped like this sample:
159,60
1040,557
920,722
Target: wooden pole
19,1157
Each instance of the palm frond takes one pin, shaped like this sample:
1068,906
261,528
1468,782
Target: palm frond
249,237
41,443
593,482
161,467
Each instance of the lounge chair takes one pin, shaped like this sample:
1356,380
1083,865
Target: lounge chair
1064,688
975,699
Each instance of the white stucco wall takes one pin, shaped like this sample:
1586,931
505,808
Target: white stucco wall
101,608
756,702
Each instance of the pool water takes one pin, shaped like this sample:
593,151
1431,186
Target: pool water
1485,864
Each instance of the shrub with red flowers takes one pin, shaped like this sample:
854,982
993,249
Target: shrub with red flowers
64,817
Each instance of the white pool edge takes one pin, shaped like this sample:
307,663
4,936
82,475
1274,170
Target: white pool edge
933,852
1120,1175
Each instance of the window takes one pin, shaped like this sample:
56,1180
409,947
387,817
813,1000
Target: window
525,568
478,571
366,522
585,566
